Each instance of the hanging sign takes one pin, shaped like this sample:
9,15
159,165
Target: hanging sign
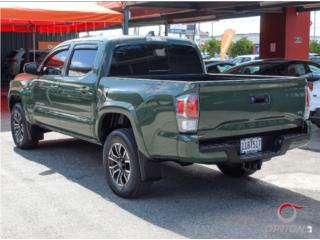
45,45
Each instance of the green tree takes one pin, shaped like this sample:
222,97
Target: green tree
314,46
241,47
212,47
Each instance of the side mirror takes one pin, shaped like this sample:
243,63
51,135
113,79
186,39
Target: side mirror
30,68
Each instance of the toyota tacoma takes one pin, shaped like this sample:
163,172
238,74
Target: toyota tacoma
149,99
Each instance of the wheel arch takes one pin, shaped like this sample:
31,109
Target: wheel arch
14,98
113,118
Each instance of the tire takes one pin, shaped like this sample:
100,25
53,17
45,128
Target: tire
121,163
235,170
24,135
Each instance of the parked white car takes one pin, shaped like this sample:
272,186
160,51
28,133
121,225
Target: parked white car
314,87
245,58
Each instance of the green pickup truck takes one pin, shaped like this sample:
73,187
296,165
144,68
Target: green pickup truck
149,99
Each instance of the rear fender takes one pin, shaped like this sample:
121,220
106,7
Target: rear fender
129,111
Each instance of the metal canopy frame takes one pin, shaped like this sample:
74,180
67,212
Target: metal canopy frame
190,12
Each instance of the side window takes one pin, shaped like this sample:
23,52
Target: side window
314,68
213,69
295,70
223,67
55,63
82,61
249,69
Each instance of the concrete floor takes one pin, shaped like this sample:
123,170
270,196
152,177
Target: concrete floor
58,190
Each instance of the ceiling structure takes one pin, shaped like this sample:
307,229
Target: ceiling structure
144,13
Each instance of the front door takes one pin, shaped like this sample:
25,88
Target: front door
46,88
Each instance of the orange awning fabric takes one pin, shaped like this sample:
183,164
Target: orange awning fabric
56,17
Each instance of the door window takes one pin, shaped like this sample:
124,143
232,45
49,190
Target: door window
223,67
295,70
314,68
81,62
54,64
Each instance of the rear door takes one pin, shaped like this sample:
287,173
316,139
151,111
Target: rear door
77,90
239,107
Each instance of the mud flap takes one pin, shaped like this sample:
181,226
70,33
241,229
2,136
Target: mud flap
150,170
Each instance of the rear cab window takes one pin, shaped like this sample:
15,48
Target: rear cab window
155,59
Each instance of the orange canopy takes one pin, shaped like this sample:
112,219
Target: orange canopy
55,17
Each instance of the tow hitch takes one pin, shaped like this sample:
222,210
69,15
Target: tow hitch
254,165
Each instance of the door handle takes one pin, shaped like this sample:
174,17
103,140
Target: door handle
260,98
86,91
54,85
86,88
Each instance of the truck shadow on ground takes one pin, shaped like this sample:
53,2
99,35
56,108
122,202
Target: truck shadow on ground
194,201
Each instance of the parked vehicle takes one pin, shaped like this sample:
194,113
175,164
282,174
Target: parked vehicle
218,66
245,58
13,64
205,56
283,67
149,100
314,57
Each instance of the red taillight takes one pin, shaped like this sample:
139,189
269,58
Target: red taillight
310,85
192,106
187,113
180,106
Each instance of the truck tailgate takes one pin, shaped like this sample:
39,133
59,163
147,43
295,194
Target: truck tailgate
239,107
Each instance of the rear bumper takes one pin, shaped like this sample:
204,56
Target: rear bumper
191,150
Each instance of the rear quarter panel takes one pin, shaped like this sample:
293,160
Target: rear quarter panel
150,106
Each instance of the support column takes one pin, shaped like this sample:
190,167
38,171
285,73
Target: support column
126,16
166,29
285,35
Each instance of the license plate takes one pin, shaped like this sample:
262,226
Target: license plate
250,145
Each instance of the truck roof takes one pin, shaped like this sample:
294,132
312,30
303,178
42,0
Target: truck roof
124,38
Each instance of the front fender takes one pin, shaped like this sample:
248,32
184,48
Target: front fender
19,88
129,111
